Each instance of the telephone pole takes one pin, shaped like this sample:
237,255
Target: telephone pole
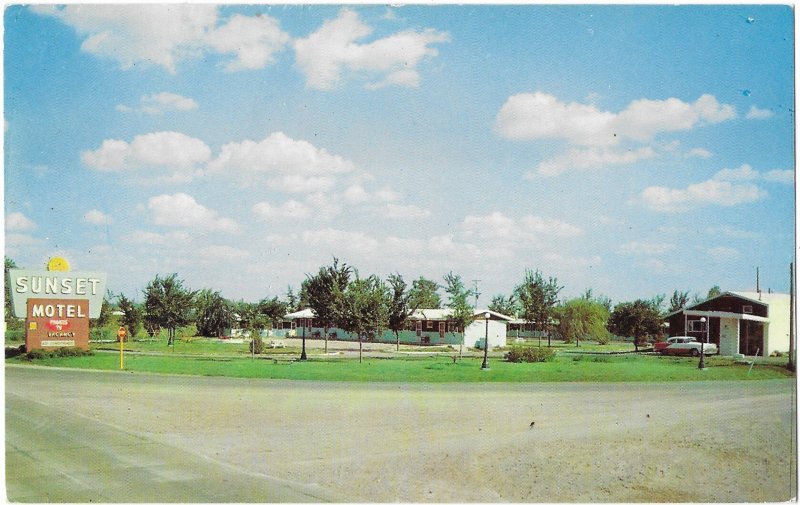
475,291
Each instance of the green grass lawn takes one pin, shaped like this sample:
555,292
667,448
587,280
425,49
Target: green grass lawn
565,368
585,346
192,345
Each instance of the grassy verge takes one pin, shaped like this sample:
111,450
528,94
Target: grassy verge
432,369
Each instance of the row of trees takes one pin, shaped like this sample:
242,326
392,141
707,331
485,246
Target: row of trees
340,297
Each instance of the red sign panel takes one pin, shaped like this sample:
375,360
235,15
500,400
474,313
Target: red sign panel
54,323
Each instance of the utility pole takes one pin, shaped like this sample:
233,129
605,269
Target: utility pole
758,286
475,290
791,365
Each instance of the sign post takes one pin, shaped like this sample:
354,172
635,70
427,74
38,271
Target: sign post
122,333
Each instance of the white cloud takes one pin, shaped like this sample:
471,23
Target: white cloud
721,253
164,34
593,157
182,210
731,232
710,192
333,49
338,240
287,164
291,209
495,225
253,41
528,116
699,152
324,206
782,176
296,183
411,212
177,238
646,248
355,194
17,221
728,187
549,226
527,228
387,195
756,113
20,240
97,217
216,253
531,116
169,151
743,173
159,103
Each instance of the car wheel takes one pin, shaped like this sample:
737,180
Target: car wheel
695,353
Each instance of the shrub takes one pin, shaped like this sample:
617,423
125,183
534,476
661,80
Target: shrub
35,354
61,352
256,345
12,352
519,354
65,352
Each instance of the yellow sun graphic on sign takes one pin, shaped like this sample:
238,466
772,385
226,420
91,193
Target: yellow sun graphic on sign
58,264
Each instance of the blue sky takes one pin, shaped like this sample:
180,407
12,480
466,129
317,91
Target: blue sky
634,150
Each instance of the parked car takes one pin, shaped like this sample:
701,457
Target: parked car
684,345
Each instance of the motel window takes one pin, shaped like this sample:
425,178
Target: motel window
451,326
696,326
429,325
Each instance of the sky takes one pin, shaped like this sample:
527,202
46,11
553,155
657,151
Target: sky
633,150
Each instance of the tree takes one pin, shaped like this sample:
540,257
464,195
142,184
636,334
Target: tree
537,300
364,309
324,294
678,300
503,305
253,321
400,306
714,292
640,319
424,294
214,313
458,301
273,309
167,304
292,301
581,317
658,302
105,312
131,315
9,264
302,297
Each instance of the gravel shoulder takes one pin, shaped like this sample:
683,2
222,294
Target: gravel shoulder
562,442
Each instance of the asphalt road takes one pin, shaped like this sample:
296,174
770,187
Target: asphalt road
81,436
54,454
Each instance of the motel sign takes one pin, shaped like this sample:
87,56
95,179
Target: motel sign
57,304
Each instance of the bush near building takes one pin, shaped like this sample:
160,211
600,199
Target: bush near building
519,354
